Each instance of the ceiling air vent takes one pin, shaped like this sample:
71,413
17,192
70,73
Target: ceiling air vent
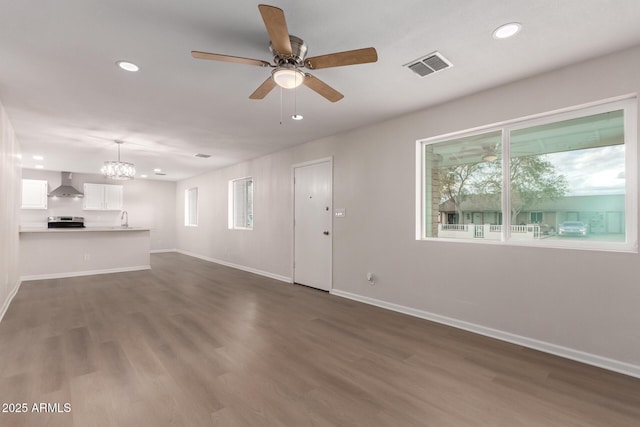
429,64
204,156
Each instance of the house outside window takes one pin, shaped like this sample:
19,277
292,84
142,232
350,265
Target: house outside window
559,180
241,204
191,207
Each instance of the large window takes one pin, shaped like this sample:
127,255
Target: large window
241,204
191,207
563,180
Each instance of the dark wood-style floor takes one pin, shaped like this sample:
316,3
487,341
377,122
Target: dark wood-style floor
191,343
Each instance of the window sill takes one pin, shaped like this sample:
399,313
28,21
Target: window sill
569,243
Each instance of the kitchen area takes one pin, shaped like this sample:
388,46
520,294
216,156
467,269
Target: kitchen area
81,224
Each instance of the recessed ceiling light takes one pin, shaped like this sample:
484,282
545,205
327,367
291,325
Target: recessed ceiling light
507,30
128,66
143,176
157,170
38,158
39,166
297,117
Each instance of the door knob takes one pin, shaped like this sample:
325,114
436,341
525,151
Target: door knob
326,233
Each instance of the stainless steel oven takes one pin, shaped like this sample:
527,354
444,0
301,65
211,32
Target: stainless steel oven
65,222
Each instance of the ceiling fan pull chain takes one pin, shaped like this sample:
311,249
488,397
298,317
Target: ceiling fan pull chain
295,116
280,106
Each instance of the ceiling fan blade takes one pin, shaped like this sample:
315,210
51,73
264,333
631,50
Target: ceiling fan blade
322,88
273,18
351,57
264,89
229,58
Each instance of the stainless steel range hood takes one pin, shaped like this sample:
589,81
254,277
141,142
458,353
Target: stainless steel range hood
66,189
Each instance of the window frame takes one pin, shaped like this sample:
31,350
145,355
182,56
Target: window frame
627,104
188,200
232,206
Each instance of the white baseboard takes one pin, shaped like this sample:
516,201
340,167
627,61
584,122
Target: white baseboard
568,353
160,251
6,304
84,273
237,266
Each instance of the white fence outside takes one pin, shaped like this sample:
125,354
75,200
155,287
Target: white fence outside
488,231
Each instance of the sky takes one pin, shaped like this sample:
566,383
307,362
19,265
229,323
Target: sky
592,171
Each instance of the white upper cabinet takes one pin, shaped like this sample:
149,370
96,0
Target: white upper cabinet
113,197
93,197
34,194
102,197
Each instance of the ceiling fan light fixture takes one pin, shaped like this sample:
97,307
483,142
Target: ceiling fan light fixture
288,77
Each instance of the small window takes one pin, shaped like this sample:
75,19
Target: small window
191,207
241,204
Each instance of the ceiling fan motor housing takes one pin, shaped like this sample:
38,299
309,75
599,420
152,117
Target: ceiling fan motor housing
298,53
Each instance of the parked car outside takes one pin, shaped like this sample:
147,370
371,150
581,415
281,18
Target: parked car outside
573,228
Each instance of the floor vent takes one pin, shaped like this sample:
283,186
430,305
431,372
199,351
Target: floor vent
429,64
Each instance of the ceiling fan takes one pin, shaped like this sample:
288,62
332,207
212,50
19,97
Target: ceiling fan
486,153
289,56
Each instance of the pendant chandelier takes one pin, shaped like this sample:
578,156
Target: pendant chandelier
117,169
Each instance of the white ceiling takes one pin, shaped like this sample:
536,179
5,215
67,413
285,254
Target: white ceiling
68,101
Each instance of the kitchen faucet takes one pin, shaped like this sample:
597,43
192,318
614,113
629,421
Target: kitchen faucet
125,219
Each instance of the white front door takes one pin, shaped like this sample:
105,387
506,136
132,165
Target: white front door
312,225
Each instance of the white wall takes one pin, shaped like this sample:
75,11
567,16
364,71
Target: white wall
149,204
9,223
581,304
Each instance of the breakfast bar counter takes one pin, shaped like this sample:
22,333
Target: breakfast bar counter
78,230
47,253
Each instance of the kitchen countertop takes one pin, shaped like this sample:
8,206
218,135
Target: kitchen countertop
78,230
